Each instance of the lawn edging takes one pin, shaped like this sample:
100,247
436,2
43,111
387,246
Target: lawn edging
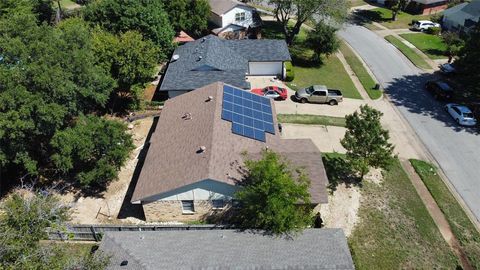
310,119
462,227
367,81
416,59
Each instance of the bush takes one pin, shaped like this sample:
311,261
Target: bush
437,17
433,31
290,72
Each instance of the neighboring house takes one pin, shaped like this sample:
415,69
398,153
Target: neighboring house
233,17
462,17
211,59
426,7
195,157
226,249
182,38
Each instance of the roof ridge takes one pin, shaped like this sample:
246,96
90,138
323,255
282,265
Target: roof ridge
217,99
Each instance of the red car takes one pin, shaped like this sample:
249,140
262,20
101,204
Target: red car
274,92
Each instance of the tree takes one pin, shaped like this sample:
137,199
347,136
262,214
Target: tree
145,16
41,9
274,197
396,6
366,141
453,42
93,150
300,11
25,217
129,59
468,63
322,40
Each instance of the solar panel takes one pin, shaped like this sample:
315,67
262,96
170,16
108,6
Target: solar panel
250,114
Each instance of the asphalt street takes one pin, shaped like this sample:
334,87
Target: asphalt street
456,149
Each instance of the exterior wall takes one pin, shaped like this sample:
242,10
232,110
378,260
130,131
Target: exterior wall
216,19
199,191
433,10
171,210
265,68
229,17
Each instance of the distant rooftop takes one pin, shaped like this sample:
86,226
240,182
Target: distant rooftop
220,7
227,249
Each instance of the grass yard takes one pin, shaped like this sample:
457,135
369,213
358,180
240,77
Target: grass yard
357,66
395,230
309,119
431,45
68,4
356,3
384,17
307,72
462,227
416,59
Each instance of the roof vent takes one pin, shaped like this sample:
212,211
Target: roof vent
175,57
187,116
124,263
209,98
202,149
199,58
203,39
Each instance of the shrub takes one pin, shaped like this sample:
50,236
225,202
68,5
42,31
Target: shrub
437,17
433,31
290,72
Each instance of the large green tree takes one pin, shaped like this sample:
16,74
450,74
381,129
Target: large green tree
24,218
294,13
93,150
323,40
468,63
145,16
42,9
274,196
366,141
188,15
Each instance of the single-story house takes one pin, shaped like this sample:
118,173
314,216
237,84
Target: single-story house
211,59
232,18
462,17
195,156
426,7
226,249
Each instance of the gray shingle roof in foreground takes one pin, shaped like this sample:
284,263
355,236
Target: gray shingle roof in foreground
227,249
212,59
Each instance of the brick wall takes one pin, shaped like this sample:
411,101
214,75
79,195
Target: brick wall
172,211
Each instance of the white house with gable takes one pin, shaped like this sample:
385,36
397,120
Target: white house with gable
232,18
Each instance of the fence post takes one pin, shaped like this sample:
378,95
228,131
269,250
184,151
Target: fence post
94,233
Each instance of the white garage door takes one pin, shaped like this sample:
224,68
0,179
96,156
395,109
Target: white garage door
265,68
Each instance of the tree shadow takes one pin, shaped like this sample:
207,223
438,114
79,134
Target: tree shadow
436,52
363,17
129,209
339,171
408,92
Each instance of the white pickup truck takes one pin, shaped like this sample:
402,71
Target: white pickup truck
319,94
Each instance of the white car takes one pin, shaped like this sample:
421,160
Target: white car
461,114
424,25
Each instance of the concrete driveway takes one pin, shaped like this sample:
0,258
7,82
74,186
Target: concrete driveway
455,149
326,138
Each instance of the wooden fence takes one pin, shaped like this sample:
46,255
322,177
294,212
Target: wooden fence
95,232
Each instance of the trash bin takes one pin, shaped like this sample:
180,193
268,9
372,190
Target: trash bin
377,86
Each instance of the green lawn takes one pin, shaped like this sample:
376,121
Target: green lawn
461,226
309,119
68,4
408,52
356,3
431,45
384,17
357,66
395,230
308,72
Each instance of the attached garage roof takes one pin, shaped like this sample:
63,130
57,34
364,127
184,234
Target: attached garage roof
227,249
212,59
174,161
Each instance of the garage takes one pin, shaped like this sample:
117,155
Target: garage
265,68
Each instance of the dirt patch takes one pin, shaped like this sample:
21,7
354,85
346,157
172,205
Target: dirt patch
105,207
375,176
342,208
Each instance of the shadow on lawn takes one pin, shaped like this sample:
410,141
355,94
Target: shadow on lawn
363,17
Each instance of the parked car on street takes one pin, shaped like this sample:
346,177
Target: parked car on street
424,25
461,114
439,89
319,94
274,92
447,69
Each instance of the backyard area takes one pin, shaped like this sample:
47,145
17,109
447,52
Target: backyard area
462,227
433,46
329,72
384,17
395,230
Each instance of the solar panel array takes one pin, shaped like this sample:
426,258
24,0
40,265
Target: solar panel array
250,114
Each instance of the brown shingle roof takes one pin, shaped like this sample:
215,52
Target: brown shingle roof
172,160
220,7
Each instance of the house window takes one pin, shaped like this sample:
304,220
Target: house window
240,17
218,204
187,207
